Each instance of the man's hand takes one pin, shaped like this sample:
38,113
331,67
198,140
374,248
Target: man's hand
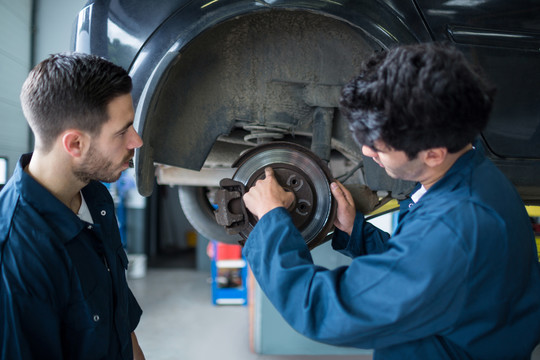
346,211
267,195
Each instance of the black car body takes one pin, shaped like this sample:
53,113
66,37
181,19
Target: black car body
212,78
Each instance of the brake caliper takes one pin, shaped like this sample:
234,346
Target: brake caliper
231,212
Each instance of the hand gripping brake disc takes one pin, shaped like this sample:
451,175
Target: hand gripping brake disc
297,169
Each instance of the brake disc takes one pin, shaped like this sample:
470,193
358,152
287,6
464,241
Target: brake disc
299,170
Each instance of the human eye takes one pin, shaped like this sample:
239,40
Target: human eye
123,132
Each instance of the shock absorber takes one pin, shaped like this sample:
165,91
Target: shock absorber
323,119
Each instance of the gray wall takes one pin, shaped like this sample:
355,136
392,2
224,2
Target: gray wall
54,24
15,52
52,29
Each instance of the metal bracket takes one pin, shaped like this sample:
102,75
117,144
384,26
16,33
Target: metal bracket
231,212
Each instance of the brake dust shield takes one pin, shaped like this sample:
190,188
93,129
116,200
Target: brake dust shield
298,170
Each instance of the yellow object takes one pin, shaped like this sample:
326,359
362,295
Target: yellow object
191,238
392,205
534,211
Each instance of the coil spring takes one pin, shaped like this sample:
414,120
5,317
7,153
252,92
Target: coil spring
261,134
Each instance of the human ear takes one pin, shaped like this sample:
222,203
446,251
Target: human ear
435,156
74,142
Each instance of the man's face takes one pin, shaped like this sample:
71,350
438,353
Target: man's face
109,153
396,163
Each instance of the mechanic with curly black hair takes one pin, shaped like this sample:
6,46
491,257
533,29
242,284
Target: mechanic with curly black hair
459,278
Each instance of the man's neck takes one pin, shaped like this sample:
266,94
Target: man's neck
54,173
438,172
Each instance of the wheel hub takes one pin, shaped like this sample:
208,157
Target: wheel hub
297,170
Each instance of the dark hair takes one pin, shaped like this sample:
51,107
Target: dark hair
71,90
417,97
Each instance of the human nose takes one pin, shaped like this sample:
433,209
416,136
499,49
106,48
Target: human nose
135,140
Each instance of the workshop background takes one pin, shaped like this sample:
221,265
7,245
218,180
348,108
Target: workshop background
198,300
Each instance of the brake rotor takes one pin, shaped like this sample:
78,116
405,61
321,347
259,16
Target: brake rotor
299,170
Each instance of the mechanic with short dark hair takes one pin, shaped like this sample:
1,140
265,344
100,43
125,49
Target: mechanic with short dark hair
63,289
459,278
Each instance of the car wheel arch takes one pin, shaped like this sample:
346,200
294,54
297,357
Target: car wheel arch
152,67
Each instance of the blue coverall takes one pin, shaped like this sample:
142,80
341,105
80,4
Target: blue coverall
63,289
459,278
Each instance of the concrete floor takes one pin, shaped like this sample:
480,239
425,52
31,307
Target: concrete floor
180,322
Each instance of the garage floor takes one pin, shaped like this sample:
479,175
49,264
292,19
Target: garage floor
180,323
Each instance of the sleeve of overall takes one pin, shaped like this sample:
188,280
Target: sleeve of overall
13,344
30,327
365,239
408,292
134,311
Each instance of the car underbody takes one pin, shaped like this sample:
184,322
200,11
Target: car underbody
215,82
